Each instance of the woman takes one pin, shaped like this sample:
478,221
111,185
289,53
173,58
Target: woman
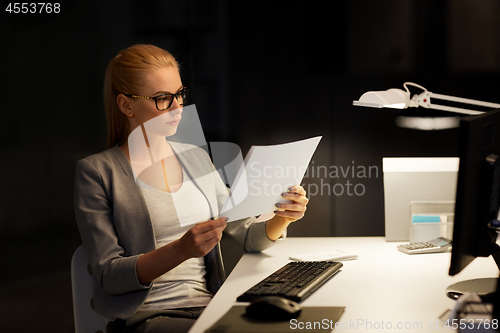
149,272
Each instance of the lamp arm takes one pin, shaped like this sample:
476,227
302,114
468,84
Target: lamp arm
465,101
424,100
456,110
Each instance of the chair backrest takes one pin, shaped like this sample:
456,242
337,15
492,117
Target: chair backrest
86,319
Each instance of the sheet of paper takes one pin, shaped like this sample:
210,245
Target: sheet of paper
322,256
267,172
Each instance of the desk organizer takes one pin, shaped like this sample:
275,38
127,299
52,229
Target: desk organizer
431,219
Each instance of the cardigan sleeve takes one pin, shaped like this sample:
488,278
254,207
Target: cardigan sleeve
114,270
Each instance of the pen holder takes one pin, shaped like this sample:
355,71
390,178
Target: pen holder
431,219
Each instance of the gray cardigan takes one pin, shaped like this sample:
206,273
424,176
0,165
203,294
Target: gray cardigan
116,228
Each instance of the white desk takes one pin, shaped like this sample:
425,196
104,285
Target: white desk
384,288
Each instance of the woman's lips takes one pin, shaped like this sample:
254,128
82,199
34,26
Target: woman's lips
174,122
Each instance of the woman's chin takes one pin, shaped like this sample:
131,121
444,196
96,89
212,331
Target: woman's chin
171,132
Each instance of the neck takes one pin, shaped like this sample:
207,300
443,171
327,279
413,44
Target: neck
159,146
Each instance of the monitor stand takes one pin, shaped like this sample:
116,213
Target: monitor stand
484,287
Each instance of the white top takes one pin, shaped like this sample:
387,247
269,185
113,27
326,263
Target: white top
185,285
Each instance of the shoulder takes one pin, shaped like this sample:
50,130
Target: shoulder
104,156
103,161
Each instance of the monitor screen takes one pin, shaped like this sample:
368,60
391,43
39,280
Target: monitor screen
476,206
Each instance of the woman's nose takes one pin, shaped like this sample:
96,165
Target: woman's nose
176,107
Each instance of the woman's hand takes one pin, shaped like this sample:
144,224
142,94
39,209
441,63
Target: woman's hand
202,238
294,211
287,213
195,243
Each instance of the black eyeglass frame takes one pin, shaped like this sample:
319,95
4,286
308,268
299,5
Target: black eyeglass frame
184,90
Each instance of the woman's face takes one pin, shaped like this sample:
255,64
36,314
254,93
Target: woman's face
165,80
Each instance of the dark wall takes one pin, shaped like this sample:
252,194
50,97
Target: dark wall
295,70
261,72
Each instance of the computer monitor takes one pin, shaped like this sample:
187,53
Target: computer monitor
477,200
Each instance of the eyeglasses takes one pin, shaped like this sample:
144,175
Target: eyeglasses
164,101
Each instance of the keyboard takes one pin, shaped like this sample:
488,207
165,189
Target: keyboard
295,281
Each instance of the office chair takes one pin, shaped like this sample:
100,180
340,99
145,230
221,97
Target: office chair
86,319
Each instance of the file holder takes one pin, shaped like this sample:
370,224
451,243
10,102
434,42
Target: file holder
431,219
414,179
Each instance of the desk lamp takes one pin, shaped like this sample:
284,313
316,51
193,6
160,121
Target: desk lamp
399,99
476,228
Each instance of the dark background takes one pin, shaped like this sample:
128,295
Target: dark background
262,72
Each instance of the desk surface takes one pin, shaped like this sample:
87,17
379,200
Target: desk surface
383,290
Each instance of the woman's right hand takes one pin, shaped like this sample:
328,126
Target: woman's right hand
202,238
195,243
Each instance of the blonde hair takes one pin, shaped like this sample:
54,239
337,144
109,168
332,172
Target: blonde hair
126,74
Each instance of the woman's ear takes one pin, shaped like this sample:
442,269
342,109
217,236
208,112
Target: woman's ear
124,104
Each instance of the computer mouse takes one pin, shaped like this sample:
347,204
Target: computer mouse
273,308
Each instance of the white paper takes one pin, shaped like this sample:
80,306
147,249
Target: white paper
267,172
324,256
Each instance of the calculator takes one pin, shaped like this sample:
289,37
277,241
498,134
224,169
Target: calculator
439,244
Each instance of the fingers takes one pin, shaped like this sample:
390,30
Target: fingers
296,194
298,189
216,233
206,226
295,210
281,207
300,199
209,231
202,238
291,215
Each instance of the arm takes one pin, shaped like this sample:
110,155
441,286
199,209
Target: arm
113,265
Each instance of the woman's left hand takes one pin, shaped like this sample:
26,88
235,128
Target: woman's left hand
295,210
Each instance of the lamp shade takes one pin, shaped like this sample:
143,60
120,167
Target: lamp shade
392,98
